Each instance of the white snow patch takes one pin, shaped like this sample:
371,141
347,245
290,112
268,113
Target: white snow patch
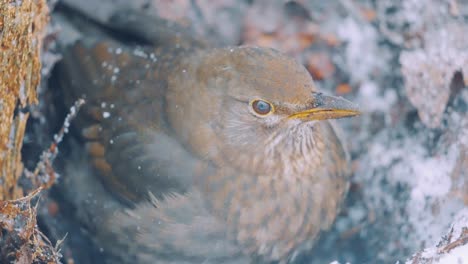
457,255
432,176
371,99
460,222
362,53
429,208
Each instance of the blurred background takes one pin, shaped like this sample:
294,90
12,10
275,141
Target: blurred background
404,62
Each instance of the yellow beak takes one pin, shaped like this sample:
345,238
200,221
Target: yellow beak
327,107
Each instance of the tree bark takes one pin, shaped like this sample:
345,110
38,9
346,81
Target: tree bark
22,26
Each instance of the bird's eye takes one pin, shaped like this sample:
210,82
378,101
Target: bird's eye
261,107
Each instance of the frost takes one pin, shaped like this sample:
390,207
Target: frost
337,262
139,53
412,186
361,50
429,71
458,255
433,175
371,100
460,223
453,248
22,94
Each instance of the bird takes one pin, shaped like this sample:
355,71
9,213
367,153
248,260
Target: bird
189,153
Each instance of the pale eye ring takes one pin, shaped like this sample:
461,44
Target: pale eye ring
261,107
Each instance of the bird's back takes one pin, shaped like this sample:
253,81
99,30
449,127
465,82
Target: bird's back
123,123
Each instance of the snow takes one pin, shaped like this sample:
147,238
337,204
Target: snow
427,209
433,175
361,49
371,100
410,175
461,221
458,255
438,254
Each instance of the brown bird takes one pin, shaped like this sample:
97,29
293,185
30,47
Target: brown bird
199,154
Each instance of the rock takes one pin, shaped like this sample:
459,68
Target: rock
429,70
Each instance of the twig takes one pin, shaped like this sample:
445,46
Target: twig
44,166
462,240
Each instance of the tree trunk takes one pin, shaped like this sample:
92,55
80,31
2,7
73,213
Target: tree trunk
21,33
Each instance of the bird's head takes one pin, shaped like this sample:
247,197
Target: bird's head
248,102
